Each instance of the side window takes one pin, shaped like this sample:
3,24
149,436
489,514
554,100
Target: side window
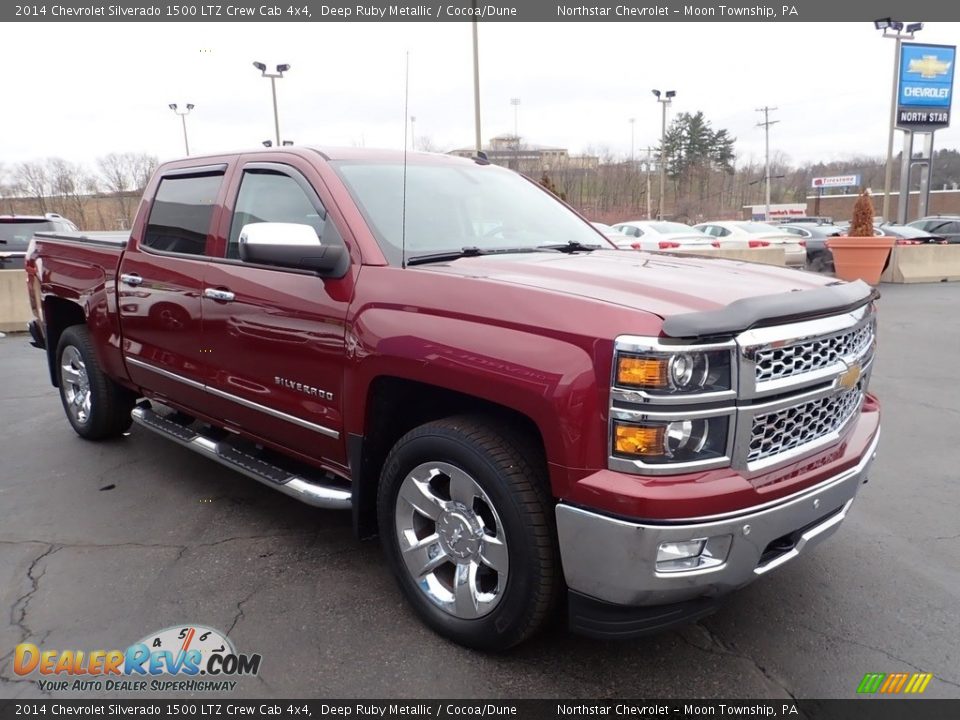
271,196
180,218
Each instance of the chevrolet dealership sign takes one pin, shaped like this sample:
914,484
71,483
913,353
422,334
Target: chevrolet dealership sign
926,86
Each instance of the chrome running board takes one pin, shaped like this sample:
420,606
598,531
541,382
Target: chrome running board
304,489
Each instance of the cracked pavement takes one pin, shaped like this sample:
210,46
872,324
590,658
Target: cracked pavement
101,544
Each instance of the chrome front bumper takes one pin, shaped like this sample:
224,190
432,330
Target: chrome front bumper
615,560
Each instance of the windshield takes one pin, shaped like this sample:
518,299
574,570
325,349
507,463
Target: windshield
19,233
454,206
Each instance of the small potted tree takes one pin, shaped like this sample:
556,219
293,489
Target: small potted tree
861,255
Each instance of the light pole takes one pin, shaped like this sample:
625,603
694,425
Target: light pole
894,30
281,69
183,118
516,119
476,82
665,100
413,132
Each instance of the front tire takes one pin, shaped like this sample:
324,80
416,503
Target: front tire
96,406
467,525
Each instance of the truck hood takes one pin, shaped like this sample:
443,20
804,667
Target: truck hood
661,283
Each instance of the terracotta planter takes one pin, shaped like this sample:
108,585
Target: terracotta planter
860,258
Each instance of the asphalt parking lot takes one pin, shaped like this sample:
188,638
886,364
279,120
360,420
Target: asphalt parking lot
100,544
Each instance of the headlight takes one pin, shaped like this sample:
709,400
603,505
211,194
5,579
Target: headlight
671,441
685,372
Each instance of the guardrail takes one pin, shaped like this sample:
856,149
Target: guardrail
923,264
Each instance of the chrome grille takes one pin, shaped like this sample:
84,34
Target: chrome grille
773,363
783,430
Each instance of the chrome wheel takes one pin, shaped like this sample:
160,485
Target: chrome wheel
75,383
452,540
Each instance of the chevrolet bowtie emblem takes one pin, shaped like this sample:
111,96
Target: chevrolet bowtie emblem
850,377
929,66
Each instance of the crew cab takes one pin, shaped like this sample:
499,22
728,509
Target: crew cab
529,418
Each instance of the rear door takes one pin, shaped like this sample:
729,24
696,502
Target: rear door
160,282
277,336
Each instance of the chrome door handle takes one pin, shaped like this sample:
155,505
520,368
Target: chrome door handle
219,295
131,279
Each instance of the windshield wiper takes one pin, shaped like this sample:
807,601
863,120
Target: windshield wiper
570,247
472,251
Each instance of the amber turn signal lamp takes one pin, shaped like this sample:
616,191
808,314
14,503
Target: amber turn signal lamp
638,440
642,372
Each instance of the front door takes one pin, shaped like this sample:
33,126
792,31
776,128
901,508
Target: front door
276,336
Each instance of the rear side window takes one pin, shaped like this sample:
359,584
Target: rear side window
180,218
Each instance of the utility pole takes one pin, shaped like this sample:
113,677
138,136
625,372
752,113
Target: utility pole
767,122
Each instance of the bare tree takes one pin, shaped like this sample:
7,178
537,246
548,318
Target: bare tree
33,180
70,185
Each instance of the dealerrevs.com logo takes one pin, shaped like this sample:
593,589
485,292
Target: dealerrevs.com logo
176,659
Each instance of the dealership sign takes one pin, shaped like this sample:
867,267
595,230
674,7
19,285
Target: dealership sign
925,90
836,181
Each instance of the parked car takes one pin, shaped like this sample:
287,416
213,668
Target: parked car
814,236
662,235
16,231
804,220
616,236
945,226
905,234
522,417
752,234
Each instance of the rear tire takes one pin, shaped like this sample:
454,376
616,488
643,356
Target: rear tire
466,522
96,406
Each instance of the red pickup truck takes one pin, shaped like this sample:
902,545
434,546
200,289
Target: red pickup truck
528,417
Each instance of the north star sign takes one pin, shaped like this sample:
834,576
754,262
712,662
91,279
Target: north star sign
926,86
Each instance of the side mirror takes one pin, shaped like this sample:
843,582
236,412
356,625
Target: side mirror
291,245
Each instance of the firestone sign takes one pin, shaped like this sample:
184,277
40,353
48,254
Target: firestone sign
925,90
835,181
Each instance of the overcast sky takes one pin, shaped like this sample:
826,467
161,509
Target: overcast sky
85,89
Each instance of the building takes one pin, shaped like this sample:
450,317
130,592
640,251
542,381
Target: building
510,151
840,207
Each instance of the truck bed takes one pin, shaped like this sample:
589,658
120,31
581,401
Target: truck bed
116,238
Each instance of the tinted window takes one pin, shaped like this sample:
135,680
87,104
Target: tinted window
269,196
180,218
14,235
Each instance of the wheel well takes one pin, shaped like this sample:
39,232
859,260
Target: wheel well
58,315
394,407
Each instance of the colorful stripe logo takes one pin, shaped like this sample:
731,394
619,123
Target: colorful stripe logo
894,683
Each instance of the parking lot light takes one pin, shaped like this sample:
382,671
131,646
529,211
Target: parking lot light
183,118
665,100
281,69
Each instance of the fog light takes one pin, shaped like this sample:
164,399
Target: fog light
695,554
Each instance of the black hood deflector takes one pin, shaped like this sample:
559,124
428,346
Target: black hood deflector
761,310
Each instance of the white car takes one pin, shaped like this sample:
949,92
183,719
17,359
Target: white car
662,235
742,234
615,236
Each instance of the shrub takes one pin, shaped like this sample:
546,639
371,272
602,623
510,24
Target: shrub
862,223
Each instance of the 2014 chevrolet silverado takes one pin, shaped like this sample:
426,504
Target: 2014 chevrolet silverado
525,414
